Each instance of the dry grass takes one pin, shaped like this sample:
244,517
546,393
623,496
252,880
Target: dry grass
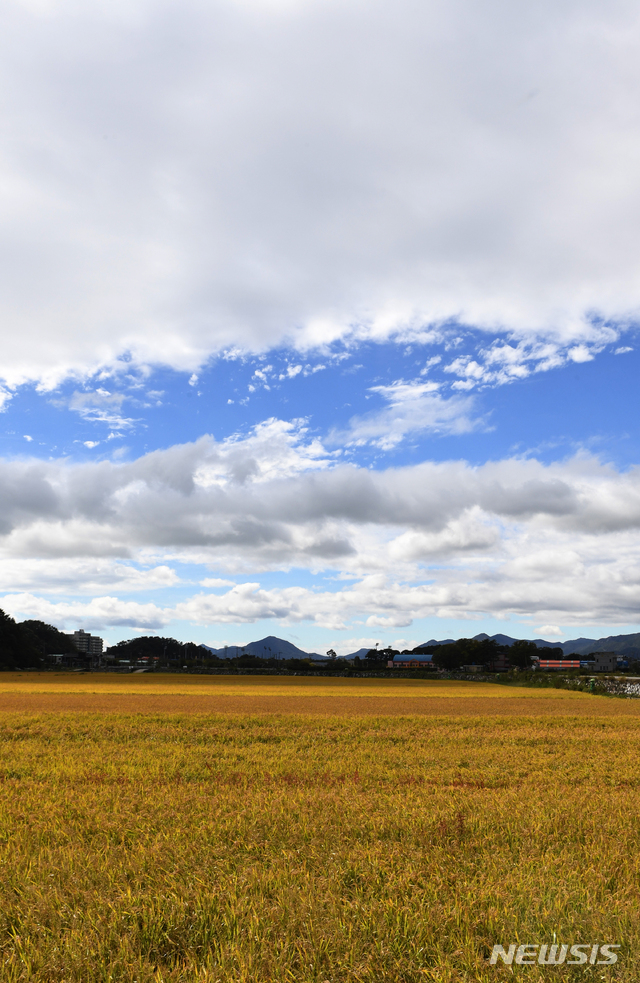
254,848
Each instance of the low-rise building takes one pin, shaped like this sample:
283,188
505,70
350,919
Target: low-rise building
559,663
604,661
499,663
410,661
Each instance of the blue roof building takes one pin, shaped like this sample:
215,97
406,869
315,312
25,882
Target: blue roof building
410,661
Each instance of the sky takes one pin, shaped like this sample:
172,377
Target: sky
320,319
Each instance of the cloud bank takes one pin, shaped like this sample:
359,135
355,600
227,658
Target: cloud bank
177,179
556,543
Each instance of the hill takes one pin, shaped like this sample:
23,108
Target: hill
273,647
622,644
270,647
360,654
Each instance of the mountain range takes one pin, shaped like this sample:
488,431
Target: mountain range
272,647
578,646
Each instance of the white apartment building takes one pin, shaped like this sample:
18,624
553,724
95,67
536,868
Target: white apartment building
88,643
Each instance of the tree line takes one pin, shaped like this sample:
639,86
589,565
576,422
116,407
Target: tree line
25,644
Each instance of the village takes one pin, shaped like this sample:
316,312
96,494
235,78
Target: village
149,654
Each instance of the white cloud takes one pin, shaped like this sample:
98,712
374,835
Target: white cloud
504,362
580,353
546,630
434,360
291,372
594,597
99,406
472,533
554,544
184,178
414,407
273,449
82,575
93,615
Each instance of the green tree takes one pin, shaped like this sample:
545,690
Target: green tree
49,639
448,657
522,654
165,649
18,646
464,652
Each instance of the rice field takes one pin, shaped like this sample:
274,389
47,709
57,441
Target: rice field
238,843
158,693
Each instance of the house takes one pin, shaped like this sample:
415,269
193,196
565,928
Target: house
604,661
499,663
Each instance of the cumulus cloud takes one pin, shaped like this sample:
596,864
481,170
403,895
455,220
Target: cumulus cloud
592,596
556,543
182,178
273,449
546,630
216,582
80,575
93,615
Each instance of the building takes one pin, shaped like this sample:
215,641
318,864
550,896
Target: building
559,664
410,661
86,643
604,661
499,662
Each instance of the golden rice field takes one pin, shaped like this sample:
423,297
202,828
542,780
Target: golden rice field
157,693
262,829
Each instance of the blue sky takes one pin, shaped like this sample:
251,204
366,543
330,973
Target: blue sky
320,321
585,406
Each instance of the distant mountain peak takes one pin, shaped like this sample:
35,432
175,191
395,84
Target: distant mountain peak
273,647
